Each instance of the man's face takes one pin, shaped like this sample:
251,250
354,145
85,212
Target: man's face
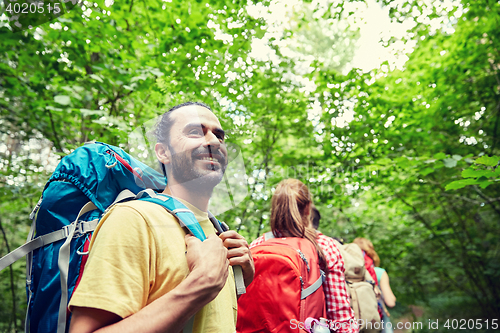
198,155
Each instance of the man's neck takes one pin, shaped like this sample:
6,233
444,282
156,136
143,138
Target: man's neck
195,198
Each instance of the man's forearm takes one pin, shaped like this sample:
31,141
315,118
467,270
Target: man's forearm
168,313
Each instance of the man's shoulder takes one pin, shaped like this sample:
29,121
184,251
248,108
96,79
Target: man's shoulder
328,242
323,238
140,209
137,217
137,204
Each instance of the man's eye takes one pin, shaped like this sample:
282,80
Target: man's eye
195,131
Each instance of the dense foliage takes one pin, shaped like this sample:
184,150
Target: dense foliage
405,157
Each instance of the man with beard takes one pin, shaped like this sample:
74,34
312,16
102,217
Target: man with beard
144,274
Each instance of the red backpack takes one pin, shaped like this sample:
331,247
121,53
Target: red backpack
286,290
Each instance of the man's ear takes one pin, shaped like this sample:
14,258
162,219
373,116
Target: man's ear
162,153
307,210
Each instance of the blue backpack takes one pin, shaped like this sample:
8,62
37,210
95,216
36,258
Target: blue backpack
85,184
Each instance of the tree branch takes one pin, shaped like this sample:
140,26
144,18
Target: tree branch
265,164
488,200
12,286
493,144
56,138
428,225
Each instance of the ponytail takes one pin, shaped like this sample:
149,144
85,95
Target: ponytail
290,211
367,246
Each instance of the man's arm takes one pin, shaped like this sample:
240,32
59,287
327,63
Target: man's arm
338,304
169,313
239,254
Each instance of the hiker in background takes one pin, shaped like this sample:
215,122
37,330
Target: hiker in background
382,279
144,274
385,287
387,297
337,302
371,257
290,217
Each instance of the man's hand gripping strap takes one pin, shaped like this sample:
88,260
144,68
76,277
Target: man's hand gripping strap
187,219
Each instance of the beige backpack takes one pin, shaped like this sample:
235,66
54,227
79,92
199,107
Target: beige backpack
361,288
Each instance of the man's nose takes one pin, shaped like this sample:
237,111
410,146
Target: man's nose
212,139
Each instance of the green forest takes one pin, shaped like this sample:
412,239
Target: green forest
404,153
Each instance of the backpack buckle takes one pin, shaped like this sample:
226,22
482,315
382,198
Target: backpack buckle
68,229
82,228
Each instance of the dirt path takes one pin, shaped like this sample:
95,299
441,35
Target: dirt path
408,320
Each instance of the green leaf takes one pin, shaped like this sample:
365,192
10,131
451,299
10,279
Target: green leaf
439,156
489,161
450,162
156,72
469,173
402,162
457,157
426,171
87,112
372,167
51,108
485,184
77,96
139,77
96,77
62,99
457,184
384,161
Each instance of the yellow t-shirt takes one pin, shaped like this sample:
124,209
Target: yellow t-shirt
137,254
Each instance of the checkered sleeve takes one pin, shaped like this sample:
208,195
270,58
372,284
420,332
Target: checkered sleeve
338,306
258,241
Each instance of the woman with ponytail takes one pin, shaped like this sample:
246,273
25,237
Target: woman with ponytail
290,217
371,257
290,212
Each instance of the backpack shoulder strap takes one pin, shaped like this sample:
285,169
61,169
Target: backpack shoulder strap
218,225
313,287
183,214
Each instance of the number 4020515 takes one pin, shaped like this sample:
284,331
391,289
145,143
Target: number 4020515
471,324
33,8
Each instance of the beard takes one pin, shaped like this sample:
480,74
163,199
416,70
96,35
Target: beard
188,170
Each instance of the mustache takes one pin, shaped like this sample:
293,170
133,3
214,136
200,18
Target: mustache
212,152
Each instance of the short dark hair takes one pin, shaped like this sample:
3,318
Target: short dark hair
315,217
165,123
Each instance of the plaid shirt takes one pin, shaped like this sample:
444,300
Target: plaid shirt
338,305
